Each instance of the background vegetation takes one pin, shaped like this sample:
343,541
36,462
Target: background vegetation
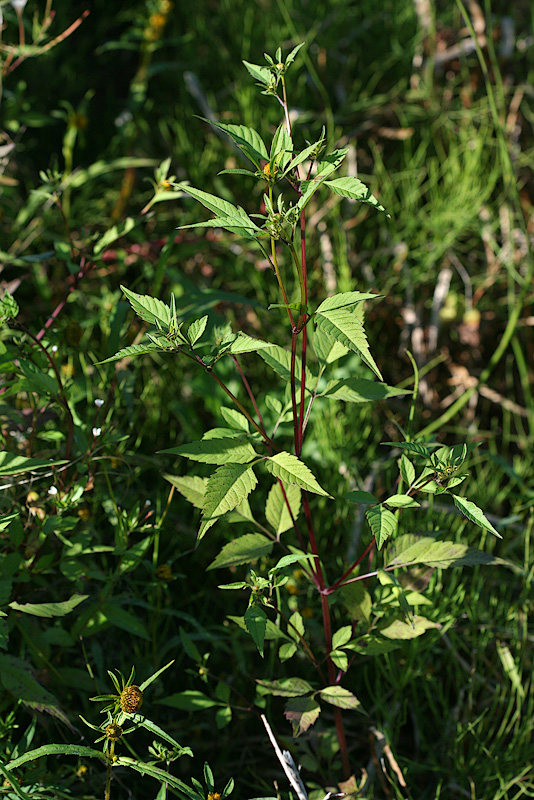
443,136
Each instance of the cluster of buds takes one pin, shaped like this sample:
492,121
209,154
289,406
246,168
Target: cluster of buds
281,222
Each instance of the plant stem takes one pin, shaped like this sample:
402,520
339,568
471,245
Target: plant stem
327,628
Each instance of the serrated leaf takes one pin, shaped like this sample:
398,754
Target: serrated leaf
216,451
50,610
280,360
192,487
150,309
408,550
407,470
238,171
344,326
341,637
357,600
325,168
260,74
281,147
228,216
287,687
296,626
412,447
132,351
359,390
243,550
291,469
355,190
302,713
247,344
256,622
226,488
340,697
344,300
247,139
276,510
293,558
326,348
408,630
474,513
196,329
401,501
287,651
382,522
235,419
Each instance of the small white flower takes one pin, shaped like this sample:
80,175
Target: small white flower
54,348
18,5
99,403
97,432
148,502
52,491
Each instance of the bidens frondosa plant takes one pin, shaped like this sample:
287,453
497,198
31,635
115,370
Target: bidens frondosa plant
259,475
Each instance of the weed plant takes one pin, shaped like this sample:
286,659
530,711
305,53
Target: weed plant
99,565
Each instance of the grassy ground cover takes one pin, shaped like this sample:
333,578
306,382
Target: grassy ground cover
441,132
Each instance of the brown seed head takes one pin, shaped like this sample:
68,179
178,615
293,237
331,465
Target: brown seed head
131,699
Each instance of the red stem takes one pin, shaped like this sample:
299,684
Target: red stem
337,584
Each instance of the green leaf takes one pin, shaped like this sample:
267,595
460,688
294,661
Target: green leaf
359,390
125,621
190,700
326,348
344,326
235,419
216,451
408,630
272,631
280,360
276,510
340,697
359,496
474,513
341,637
409,549
281,147
291,469
412,447
260,74
56,750
247,139
340,659
247,344
196,329
232,217
238,171
325,168
357,600
16,678
355,190
158,774
50,609
192,487
294,558
132,351
11,464
256,622
407,470
112,234
150,309
287,651
401,501
287,687
302,713
344,300
155,675
382,522
372,645
243,550
226,488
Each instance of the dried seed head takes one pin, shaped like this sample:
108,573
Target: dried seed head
113,732
131,699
